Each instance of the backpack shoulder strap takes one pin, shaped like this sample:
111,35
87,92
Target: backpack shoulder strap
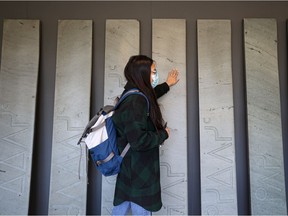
131,92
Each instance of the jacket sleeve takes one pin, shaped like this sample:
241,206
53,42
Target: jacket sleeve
139,134
161,89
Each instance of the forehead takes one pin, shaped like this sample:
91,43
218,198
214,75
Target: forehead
153,66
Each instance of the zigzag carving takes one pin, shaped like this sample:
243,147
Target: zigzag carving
179,181
10,185
174,195
13,124
22,164
78,154
221,157
62,191
75,157
7,138
218,173
275,169
14,185
69,142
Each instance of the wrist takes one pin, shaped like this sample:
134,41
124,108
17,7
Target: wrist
169,84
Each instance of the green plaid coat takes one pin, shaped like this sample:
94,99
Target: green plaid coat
139,177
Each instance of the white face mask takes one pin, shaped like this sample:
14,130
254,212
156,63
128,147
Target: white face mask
155,79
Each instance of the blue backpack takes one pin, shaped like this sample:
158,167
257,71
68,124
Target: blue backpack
101,141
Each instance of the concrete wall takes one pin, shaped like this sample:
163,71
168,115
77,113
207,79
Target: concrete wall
50,12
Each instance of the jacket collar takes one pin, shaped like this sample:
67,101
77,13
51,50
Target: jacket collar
129,86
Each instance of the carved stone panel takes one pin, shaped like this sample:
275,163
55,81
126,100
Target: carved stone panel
217,141
169,51
122,41
18,87
71,114
264,118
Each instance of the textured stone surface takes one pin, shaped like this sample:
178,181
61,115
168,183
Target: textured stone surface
264,118
18,85
169,51
122,41
71,114
217,141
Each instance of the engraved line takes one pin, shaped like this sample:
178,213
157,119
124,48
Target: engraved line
13,166
213,177
217,193
62,191
176,196
263,159
7,138
172,209
224,146
12,180
68,124
12,122
264,180
217,138
169,170
67,142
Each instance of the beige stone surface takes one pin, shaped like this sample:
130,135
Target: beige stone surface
267,184
18,87
217,140
71,114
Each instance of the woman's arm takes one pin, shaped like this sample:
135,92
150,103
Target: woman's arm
171,80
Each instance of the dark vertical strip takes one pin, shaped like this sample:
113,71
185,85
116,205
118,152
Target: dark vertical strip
194,183
94,187
40,184
240,113
283,76
93,190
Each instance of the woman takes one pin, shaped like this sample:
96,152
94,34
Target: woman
138,183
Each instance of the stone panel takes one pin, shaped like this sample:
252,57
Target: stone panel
71,114
267,182
217,141
122,41
169,51
18,87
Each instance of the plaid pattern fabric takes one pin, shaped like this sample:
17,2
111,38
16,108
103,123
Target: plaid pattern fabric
139,177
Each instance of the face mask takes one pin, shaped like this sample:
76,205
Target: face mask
155,79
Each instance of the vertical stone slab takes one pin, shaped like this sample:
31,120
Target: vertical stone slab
264,118
122,41
71,114
18,87
217,141
169,51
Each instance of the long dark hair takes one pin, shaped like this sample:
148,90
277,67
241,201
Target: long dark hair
137,71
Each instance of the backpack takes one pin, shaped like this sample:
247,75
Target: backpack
101,140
